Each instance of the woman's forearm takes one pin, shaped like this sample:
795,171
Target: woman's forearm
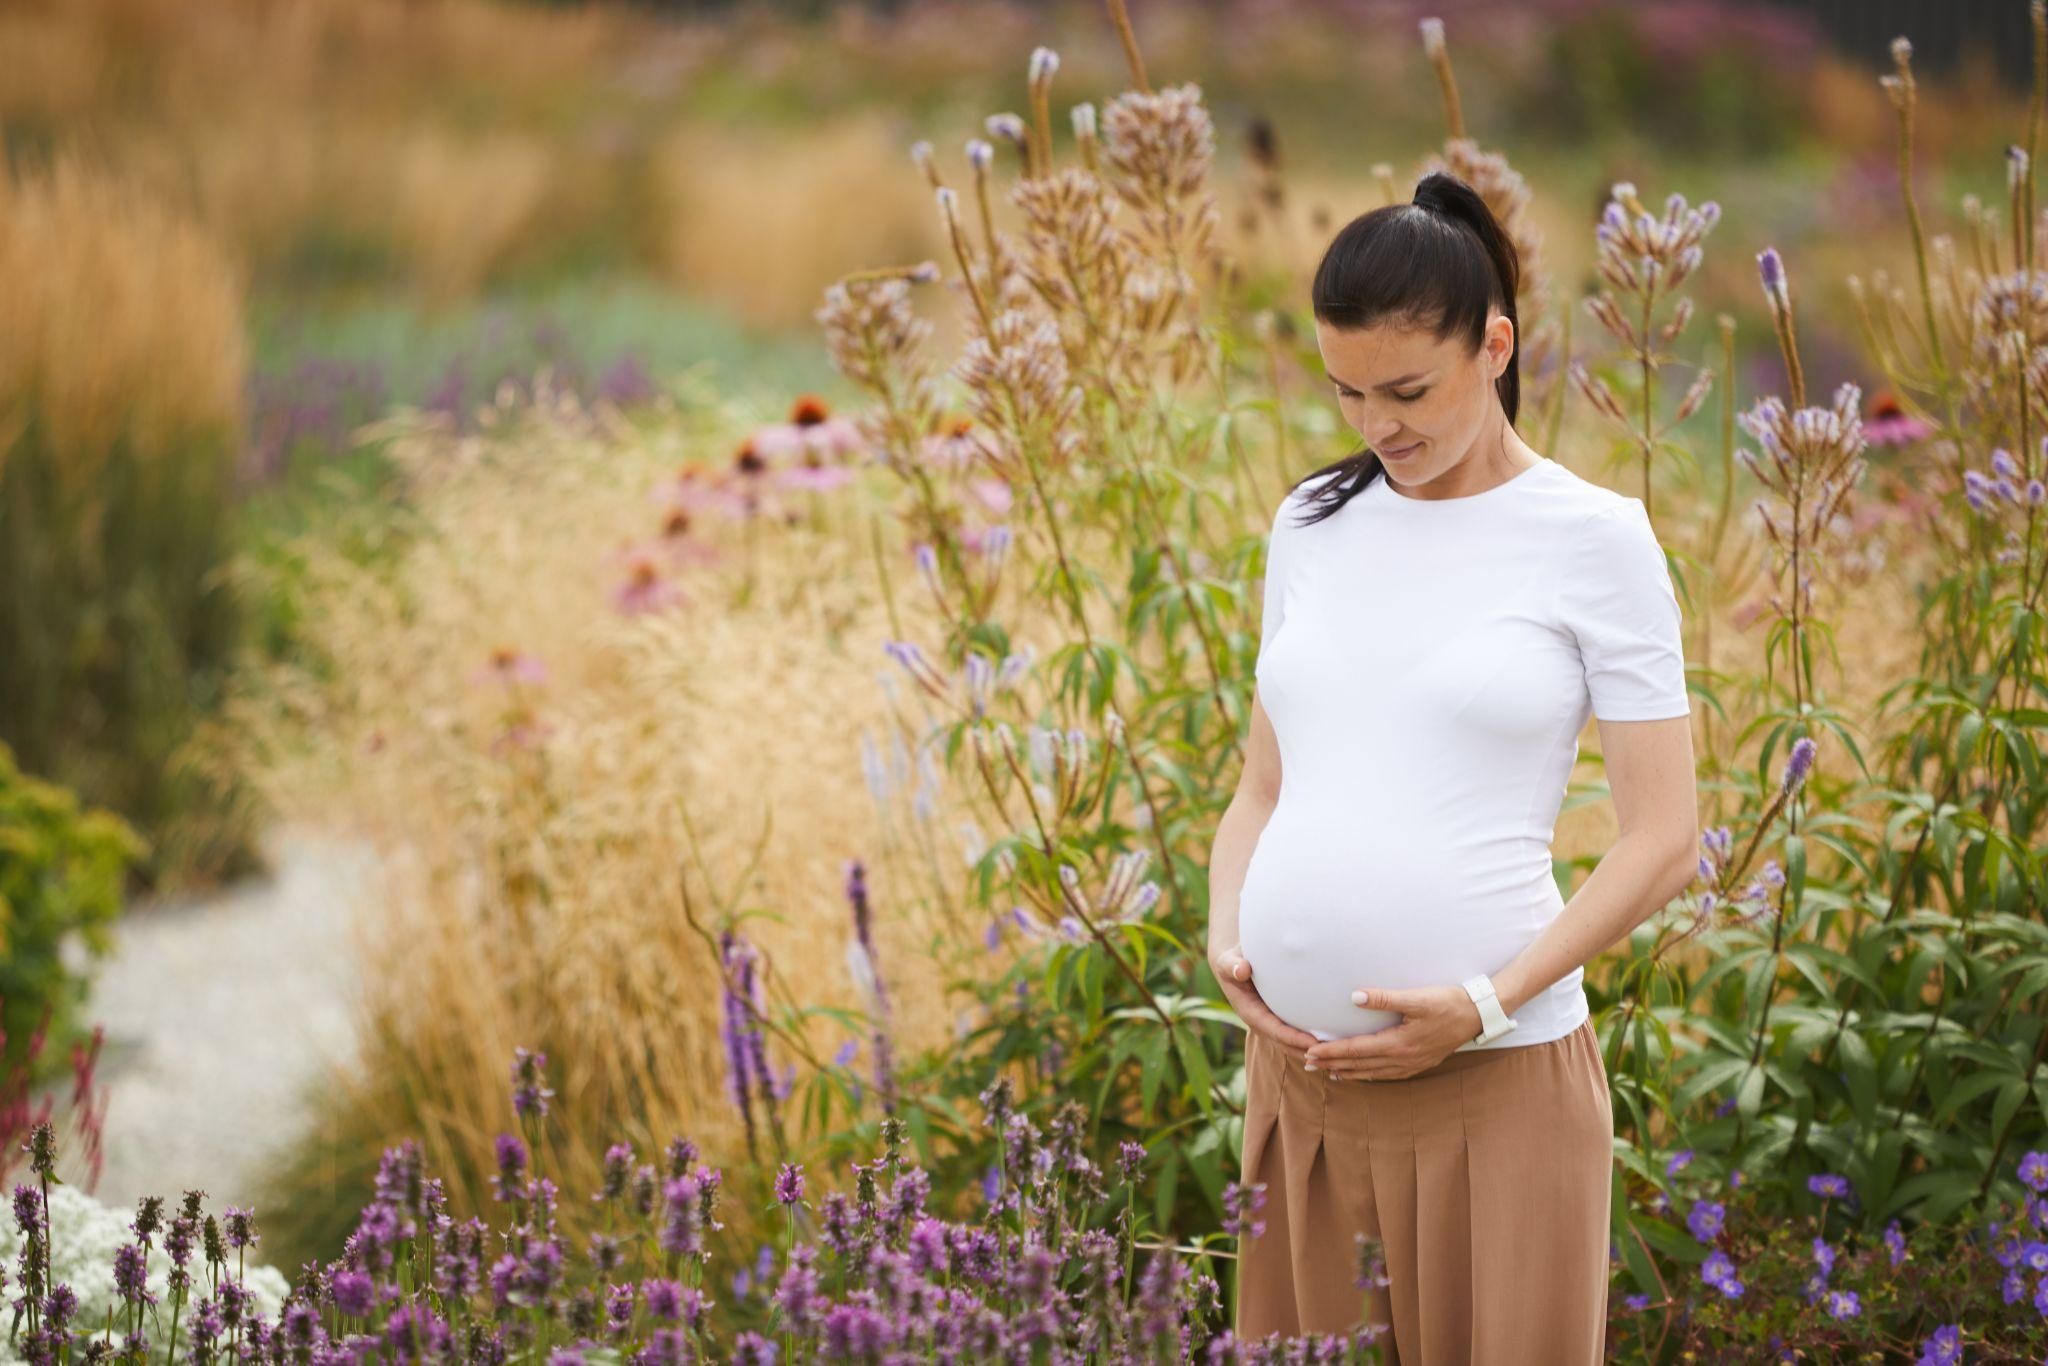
1237,834
1636,878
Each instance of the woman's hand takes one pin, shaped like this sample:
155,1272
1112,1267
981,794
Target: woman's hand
1435,1023
1234,971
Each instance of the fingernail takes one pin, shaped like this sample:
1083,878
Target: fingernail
1309,1066
1358,998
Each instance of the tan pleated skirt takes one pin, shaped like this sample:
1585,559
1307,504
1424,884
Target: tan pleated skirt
1486,1180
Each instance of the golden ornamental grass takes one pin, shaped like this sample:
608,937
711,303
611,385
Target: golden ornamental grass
538,833
124,323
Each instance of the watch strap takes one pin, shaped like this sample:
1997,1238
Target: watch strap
1494,1019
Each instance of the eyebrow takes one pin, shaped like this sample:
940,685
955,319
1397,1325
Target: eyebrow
1390,384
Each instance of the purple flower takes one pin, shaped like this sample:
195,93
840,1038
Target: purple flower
511,1163
1719,1272
664,1299
1829,1185
2034,1171
1771,270
1799,763
1129,1158
530,1093
1943,1347
1706,1220
1678,1160
354,1292
131,1275
751,1349
1843,1304
1636,1302
789,1184
2034,1256
1824,1255
1895,1243
1240,1206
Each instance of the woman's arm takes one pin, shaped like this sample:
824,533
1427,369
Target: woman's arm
1650,772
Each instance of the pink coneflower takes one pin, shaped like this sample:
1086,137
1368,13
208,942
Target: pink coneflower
679,544
1889,424
955,447
510,666
810,429
646,588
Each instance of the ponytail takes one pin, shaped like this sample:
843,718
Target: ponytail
1451,198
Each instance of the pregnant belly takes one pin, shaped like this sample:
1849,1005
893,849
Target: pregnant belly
1323,915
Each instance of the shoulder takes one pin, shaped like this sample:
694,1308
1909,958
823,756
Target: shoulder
1594,519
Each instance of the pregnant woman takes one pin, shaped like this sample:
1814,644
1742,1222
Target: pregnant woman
1443,611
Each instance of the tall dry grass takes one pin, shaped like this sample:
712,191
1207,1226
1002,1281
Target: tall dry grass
121,372
538,837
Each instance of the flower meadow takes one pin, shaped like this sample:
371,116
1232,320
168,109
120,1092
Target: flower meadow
844,783
1053,1267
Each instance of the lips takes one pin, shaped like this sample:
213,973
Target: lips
1396,452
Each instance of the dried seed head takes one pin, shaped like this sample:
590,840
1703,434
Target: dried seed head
980,153
1084,122
1432,38
1009,127
1902,51
1044,63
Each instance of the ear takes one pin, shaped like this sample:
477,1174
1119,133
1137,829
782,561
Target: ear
1500,343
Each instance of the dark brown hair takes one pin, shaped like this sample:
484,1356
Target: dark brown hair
1441,262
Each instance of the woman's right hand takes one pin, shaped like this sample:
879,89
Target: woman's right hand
1234,971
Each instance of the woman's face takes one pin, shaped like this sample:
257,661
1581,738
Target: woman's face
1420,403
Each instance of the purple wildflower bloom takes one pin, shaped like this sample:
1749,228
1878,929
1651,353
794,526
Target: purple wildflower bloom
1706,1220
664,1299
751,1349
2034,1171
2034,1257
131,1274
1129,1158
1678,1160
1719,1272
529,1089
239,1226
354,1293
1240,1207
682,1231
1636,1302
1942,1347
789,1184
1799,763
1824,1255
1895,1243
1843,1304
864,940
58,1307
1827,1184
511,1163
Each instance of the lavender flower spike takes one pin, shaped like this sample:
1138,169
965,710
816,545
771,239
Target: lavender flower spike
1776,288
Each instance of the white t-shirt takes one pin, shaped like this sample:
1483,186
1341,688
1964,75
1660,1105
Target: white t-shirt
1428,665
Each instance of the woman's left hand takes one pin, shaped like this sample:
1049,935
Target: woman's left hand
1435,1022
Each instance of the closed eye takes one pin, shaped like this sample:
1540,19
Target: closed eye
1405,398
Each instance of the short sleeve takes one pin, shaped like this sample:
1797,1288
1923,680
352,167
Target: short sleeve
1615,598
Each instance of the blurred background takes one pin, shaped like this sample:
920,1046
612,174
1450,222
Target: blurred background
250,249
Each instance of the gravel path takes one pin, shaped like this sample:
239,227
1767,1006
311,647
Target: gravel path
219,1012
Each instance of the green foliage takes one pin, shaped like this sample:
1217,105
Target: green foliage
62,870
118,630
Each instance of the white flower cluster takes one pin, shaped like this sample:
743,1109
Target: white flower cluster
85,1234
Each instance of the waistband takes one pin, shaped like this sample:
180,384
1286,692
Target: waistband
1457,1062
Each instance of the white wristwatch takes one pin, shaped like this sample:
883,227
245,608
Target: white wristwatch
1496,1020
